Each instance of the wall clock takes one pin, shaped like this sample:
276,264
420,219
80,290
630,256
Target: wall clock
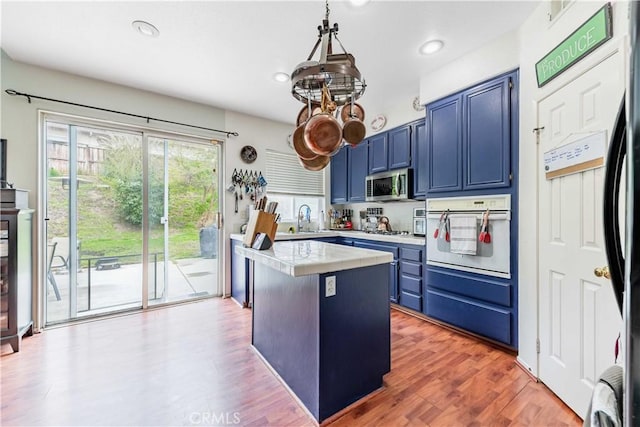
248,154
416,104
378,122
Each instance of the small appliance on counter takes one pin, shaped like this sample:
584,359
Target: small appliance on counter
340,219
419,221
371,221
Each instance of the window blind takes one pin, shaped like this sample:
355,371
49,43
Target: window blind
284,174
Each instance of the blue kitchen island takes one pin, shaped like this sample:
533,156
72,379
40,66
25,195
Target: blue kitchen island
321,320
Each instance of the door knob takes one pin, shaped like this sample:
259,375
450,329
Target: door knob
602,272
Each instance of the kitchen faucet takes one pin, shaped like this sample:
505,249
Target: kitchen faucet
307,216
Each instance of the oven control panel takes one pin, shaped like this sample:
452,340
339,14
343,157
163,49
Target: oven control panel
501,202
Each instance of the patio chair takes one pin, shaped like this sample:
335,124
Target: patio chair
61,257
51,253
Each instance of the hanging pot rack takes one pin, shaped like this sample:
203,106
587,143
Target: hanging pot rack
337,71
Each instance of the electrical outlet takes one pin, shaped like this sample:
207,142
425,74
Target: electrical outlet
330,286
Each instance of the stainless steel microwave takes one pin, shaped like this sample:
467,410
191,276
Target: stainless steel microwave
389,186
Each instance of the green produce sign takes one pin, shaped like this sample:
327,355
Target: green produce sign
584,40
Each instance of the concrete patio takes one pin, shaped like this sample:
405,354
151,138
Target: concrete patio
121,288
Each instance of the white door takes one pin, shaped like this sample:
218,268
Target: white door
578,315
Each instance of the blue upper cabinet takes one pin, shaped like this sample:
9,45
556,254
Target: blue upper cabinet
378,150
399,147
357,171
419,159
469,138
487,135
444,145
339,182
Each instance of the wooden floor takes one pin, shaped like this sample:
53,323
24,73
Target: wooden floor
193,365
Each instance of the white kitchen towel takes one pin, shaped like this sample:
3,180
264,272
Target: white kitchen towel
463,234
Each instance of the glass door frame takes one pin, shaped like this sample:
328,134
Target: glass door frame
40,313
167,137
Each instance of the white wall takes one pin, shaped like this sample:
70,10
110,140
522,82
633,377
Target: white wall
19,118
495,58
262,134
523,48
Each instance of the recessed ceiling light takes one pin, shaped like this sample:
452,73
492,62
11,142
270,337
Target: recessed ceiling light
145,28
432,46
358,3
281,77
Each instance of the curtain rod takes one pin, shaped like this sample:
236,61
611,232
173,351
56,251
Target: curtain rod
29,96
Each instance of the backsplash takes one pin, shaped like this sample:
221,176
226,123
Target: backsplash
400,214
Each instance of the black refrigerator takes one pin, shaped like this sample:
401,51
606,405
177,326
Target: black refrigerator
624,254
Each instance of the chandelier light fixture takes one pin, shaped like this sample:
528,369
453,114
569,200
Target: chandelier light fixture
323,86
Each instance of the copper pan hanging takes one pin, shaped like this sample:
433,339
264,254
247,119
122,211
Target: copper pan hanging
348,112
304,114
300,146
353,130
316,164
322,133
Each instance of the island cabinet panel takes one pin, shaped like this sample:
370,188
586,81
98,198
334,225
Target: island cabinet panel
352,361
339,176
399,147
331,350
239,275
286,323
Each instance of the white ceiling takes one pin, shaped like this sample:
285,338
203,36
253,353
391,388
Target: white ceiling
224,53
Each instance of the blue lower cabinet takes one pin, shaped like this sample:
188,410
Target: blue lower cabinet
411,283
239,275
483,319
477,303
393,267
393,282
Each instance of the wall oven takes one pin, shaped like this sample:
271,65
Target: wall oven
457,239
389,186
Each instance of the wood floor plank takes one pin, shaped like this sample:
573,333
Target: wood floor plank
192,364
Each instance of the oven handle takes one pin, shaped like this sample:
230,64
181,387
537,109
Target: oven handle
493,216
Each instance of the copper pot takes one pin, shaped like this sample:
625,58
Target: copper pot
348,113
304,115
300,146
323,134
353,131
316,164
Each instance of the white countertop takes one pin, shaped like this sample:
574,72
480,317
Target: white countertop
408,240
301,258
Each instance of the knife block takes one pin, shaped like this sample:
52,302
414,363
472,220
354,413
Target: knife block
260,222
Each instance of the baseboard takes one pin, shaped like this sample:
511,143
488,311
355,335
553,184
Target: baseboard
526,368
484,340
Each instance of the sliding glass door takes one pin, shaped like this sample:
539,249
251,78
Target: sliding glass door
124,209
183,227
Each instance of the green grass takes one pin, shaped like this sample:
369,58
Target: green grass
102,232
